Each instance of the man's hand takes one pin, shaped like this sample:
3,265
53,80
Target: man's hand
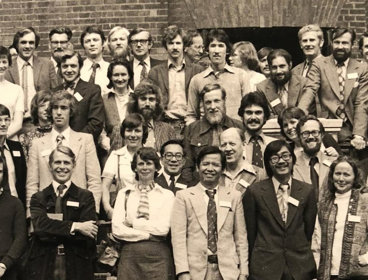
358,142
331,151
362,260
184,276
242,277
88,228
2,269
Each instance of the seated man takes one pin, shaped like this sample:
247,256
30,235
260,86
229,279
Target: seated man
64,220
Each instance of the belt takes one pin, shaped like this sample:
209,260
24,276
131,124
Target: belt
60,250
212,259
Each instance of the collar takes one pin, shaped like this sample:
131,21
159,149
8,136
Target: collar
276,183
205,126
55,185
210,70
65,133
167,177
88,63
54,61
122,151
346,62
157,188
6,146
146,61
21,62
286,86
71,85
340,196
170,64
113,92
248,136
245,166
204,188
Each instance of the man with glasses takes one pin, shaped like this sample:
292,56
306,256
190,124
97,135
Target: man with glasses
193,46
280,213
173,160
140,43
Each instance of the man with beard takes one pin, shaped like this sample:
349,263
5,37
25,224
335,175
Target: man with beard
312,163
117,41
146,100
140,42
282,89
207,130
59,42
311,42
94,68
255,112
239,174
341,84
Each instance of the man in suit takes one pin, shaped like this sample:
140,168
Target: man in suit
239,174
89,112
117,41
311,42
208,231
363,46
283,88
14,159
173,160
86,171
313,162
280,213
341,84
32,73
64,220
173,77
140,43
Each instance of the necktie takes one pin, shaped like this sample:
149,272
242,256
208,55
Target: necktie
5,169
26,66
282,199
283,96
58,206
306,68
172,182
314,175
216,132
144,71
93,75
143,207
340,112
212,221
59,139
257,156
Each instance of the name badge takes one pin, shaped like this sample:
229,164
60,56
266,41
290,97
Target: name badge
180,186
226,204
327,162
276,102
243,183
46,153
55,216
293,201
78,96
72,203
353,218
352,76
16,153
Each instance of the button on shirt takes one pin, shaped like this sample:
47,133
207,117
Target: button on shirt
137,69
101,73
177,104
65,133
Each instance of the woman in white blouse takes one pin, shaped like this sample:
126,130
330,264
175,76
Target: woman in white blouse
141,219
343,214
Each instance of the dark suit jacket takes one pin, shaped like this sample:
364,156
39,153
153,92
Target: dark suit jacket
89,114
160,76
44,74
273,245
269,89
153,62
20,166
161,180
78,206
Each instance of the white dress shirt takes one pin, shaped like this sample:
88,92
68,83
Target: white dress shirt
101,73
65,133
137,69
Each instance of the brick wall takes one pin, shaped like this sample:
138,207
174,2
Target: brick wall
44,15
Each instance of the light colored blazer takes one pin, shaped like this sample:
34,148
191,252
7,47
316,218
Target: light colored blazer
189,233
86,173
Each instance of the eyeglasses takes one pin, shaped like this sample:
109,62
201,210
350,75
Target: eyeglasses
306,134
142,42
276,158
170,156
62,43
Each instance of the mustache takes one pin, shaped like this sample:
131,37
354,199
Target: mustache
310,140
255,121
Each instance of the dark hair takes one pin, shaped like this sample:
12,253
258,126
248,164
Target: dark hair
171,142
68,54
41,97
287,114
338,32
358,182
361,39
272,149
265,51
170,34
62,149
219,35
279,52
188,37
304,119
248,54
146,153
254,98
211,87
134,120
61,30
209,150
5,52
63,95
22,33
4,110
137,30
111,69
92,29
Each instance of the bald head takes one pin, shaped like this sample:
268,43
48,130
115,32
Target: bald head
231,143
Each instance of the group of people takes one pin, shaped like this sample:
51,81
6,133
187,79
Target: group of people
173,154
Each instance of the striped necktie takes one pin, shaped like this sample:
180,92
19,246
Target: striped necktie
143,207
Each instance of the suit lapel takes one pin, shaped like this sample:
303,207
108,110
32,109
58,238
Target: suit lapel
301,168
14,72
36,70
269,196
112,107
293,91
165,76
349,83
75,143
296,193
224,198
199,206
162,181
331,74
188,76
272,96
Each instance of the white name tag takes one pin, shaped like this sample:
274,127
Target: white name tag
352,76
243,183
226,204
55,216
180,186
72,203
276,102
78,96
353,218
327,162
293,201
45,153
16,153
